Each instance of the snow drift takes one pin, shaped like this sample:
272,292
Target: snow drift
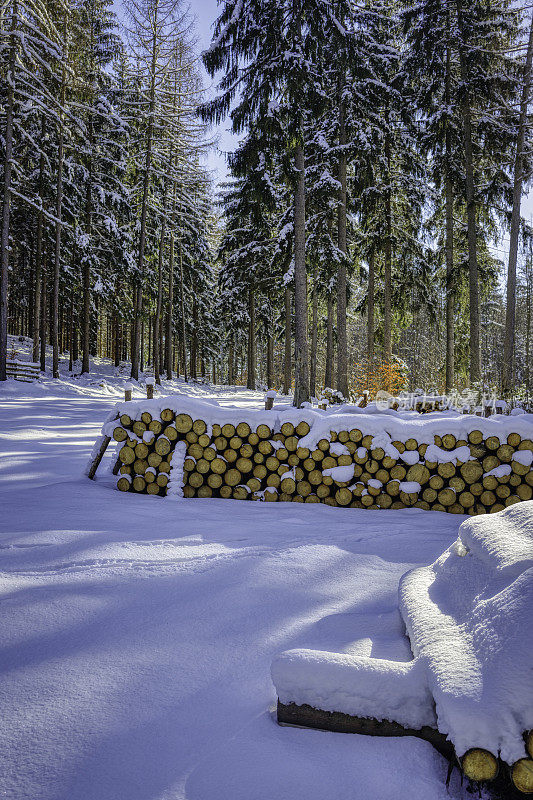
470,624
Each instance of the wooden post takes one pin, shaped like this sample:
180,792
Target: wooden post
269,399
150,388
98,457
128,388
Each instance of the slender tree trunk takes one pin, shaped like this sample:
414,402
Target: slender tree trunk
38,256
370,306
159,303
231,363
194,341
183,320
168,340
330,345
6,202
387,252
288,348
342,338
270,360
474,345
59,206
251,368
301,365
518,185
144,204
44,317
314,337
450,289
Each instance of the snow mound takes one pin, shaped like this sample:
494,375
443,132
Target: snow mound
470,623
365,687
469,618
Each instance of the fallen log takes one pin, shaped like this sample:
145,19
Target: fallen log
306,716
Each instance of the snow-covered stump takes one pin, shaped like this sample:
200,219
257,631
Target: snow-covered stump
345,456
469,688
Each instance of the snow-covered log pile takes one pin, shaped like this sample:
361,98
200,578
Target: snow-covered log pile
469,618
462,464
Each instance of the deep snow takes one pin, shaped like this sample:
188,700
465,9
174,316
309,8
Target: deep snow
136,635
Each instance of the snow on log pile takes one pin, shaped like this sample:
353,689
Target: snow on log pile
462,464
470,624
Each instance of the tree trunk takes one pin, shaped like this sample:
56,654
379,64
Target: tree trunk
144,204
183,321
288,349
231,364
301,366
6,203
450,290
342,339
270,360
38,256
387,276
370,306
44,317
330,345
251,369
169,337
194,341
59,205
314,337
474,345
159,303
510,317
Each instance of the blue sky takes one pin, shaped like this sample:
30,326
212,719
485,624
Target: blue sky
205,13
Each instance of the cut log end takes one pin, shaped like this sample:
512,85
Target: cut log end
479,765
522,775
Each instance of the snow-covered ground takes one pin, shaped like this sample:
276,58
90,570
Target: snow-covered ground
136,634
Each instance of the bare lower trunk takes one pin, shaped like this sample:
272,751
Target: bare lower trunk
387,277
342,338
59,212
314,338
288,350
44,317
370,306
450,289
183,320
38,257
474,345
231,364
330,345
301,366
270,360
250,383
169,337
159,303
6,203
510,317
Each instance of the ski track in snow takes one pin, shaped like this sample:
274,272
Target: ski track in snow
136,635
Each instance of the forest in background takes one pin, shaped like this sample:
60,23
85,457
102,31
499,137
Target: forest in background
361,239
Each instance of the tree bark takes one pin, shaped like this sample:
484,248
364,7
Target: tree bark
44,317
342,339
387,275
330,345
288,348
59,205
450,289
301,366
370,306
169,337
510,316
270,360
251,369
6,203
183,321
144,204
474,344
38,256
314,337
159,302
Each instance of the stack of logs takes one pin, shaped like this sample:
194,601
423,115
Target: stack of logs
236,461
481,765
